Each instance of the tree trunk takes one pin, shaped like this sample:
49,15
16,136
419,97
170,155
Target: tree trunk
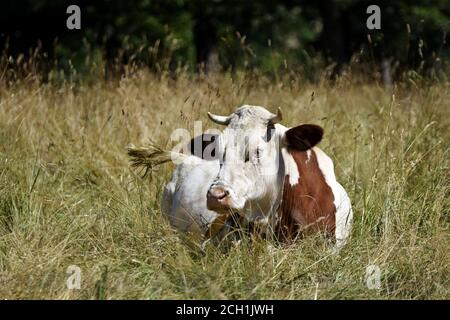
205,38
333,38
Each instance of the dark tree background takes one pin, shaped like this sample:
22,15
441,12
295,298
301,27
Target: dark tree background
219,34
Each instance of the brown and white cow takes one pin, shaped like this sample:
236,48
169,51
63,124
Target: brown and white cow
266,173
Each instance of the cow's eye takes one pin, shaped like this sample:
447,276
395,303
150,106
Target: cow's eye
222,159
247,156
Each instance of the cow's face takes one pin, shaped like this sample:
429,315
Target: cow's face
249,152
252,169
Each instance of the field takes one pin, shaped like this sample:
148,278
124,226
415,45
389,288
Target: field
68,195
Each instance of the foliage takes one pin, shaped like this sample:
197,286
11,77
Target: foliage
245,34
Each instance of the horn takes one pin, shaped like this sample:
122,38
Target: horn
276,118
224,120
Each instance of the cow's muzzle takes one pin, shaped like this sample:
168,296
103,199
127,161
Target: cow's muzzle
218,198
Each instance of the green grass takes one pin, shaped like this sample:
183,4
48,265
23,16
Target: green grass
68,195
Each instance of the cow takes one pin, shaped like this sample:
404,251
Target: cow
263,173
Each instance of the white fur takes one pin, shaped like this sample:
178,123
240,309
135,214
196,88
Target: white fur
290,166
308,154
344,212
184,198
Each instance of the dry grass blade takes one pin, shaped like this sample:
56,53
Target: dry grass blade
148,157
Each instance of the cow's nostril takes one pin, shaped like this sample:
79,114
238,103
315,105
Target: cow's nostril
221,196
218,193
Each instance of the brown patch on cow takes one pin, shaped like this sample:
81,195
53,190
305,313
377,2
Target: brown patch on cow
307,206
223,218
217,225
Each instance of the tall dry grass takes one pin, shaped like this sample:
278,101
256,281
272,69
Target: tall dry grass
68,195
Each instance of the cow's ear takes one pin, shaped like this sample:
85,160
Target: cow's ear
303,137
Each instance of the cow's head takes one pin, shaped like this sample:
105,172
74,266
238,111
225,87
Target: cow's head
252,166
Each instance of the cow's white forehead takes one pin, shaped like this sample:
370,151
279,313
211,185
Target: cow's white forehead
247,117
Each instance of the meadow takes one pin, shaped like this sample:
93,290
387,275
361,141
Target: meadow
69,197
